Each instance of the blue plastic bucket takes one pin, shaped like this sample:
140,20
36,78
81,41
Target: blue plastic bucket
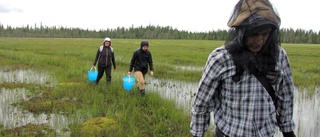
92,75
128,82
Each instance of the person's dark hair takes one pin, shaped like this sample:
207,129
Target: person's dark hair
144,43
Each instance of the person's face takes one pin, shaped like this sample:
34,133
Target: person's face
144,48
257,38
107,43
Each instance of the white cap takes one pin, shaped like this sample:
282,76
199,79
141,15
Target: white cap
107,39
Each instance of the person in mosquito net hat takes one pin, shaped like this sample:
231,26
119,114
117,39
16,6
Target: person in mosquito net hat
230,86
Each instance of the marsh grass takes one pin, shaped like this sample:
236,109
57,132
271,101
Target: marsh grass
305,63
68,60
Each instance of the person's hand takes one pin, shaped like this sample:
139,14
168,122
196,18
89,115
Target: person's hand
288,134
129,73
151,73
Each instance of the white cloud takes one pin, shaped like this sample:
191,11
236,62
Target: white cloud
7,8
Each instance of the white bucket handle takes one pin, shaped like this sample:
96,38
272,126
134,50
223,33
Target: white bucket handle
129,79
93,67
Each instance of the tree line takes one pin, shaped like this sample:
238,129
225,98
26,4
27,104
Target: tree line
148,32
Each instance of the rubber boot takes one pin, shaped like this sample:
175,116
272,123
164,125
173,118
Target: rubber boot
108,81
143,92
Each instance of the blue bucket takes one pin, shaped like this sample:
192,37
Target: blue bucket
128,82
92,74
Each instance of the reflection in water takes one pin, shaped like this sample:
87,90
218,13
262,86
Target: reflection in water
11,117
307,113
27,77
181,92
193,68
306,107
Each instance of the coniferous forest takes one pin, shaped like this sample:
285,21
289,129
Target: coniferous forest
288,35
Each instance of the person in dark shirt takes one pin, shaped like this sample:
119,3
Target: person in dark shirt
105,58
140,62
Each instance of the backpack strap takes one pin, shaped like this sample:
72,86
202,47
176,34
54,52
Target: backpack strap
264,81
101,48
111,49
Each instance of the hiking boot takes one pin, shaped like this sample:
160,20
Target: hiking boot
143,92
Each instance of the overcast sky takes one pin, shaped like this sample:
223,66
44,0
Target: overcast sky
189,15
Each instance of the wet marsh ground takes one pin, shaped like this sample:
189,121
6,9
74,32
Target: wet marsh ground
45,92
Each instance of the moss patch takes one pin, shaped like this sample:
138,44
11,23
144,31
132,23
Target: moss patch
28,130
98,126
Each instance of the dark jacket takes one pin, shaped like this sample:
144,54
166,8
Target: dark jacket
101,55
141,60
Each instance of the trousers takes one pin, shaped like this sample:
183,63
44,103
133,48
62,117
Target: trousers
101,70
141,79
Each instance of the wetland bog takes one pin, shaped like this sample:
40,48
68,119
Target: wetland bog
44,87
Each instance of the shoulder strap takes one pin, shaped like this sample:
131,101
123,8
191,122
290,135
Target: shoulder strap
111,49
264,81
101,48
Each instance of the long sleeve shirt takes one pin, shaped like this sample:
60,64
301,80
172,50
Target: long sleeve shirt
105,57
141,61
243,108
